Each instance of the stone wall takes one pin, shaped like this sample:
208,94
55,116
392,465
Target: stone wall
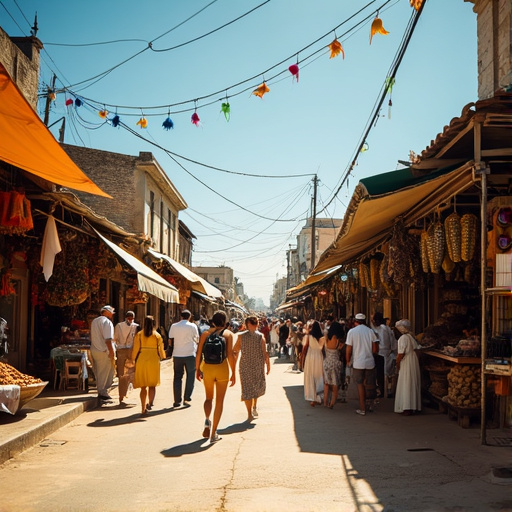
20,56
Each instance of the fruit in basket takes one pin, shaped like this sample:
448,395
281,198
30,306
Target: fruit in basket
10,376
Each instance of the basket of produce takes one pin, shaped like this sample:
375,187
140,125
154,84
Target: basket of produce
30,387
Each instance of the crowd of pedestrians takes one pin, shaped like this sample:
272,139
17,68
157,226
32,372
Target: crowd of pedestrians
329,352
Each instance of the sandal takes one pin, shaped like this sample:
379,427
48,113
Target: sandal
207,427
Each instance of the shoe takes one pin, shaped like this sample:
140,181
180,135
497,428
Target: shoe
105,398
215,438
254,413
207,427
176,404
359,411
123,404
188,400
149,407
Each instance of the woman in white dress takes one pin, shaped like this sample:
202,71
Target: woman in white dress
313,362
408,389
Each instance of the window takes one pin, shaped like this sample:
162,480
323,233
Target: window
151,214
217,280
161,226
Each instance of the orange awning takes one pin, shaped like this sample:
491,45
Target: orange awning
26,142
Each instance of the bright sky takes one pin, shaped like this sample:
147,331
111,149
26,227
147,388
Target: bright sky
296,130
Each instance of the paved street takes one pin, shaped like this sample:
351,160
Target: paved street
292,457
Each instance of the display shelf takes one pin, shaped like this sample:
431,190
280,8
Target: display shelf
457,360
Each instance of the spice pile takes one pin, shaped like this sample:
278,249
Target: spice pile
464,386
10,376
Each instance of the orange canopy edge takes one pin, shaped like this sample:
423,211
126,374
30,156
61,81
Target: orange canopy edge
26,142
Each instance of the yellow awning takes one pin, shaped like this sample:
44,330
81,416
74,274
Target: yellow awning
26,142
148,280
370,217
312,279
197,283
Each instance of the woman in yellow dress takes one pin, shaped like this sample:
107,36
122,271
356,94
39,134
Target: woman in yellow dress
147,352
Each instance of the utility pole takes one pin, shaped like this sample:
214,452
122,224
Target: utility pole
48,100
313,224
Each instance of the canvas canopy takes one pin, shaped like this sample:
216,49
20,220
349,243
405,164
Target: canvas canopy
27,143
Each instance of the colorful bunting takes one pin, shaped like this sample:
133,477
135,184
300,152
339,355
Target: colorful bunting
78,102
69,102
142,122
103,114
168,124
261,90
226,110
336,49
294,70
195,119
115,121
377,28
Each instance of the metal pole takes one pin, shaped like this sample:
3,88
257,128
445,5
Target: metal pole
313,225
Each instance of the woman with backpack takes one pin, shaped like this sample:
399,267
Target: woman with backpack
214,361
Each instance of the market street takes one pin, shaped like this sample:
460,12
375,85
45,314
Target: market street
292,457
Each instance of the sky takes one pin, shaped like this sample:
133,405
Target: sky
248,181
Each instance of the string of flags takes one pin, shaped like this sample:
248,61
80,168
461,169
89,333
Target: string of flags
335,48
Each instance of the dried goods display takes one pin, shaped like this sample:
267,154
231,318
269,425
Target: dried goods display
374,273
452,228
469,225
10,376
464,386
436,246
364,275
401,252
424,252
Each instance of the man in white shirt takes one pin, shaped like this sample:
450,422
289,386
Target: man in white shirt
361,344
102,352
184,337
124,332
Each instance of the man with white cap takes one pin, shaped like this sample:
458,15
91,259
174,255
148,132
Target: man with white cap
124,332
102,351
361,344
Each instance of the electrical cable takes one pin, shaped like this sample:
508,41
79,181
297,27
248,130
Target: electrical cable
384,90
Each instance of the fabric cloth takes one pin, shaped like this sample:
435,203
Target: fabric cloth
252,364
50,248
332,367
182,364
361,338
124,333
148,351
313,370
186,337
408,389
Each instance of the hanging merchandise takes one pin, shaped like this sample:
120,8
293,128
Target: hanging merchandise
261,90
377,28
50,248
226,110
15,213
294,70
468,225
142,122
336,49
452,229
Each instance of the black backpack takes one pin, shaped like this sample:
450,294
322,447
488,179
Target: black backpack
214,348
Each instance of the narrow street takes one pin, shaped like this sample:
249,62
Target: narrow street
292,457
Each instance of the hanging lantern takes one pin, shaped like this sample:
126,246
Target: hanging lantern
377,28
195,119
294,70
142,122
226,110
261,90
416,4
336,49
115,121
69,102
103,114
168,124
78,102
52,95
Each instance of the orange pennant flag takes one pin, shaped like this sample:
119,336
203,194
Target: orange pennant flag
377,28
261,90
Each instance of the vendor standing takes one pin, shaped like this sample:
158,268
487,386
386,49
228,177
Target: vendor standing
102,351
124,332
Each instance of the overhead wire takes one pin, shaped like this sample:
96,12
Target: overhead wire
382,95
